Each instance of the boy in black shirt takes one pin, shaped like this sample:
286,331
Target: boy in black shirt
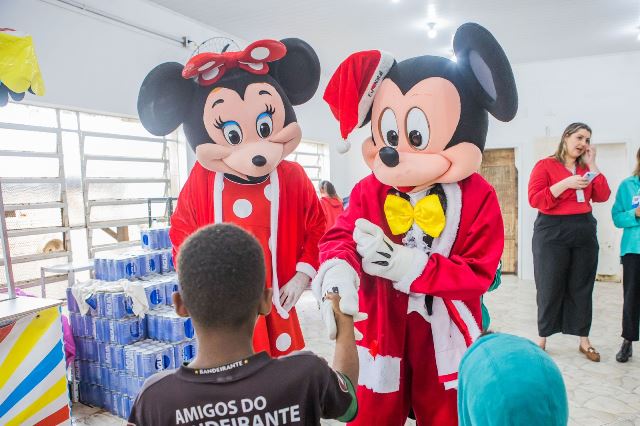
222,287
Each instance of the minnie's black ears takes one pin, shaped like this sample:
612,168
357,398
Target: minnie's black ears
486,70
164,98
298,73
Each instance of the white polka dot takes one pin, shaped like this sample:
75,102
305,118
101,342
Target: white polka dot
255,66
283,342
206,66
267,192
211,74
259,53
242,208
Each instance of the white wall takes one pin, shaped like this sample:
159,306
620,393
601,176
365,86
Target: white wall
94,64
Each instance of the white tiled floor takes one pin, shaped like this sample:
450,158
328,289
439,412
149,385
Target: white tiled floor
605,393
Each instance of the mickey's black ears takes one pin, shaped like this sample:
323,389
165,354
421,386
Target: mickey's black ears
298,73
164,98
486,70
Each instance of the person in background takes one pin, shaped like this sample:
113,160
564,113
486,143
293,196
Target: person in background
222,287
626,215
565,245
330,202
508,380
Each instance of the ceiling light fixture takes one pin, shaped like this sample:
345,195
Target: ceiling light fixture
432,32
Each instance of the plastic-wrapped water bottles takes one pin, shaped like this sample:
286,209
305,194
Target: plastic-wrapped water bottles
155,238
72,305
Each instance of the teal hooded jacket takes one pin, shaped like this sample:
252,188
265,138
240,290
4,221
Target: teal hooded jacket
507,380
624,215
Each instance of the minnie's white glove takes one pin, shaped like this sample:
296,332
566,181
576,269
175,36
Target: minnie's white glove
291,291
337,276
381,257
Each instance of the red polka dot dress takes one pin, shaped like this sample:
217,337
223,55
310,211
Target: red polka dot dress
249,206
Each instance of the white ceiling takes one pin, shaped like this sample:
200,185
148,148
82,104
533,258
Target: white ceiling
529,30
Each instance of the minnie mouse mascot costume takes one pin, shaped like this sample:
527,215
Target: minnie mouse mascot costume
423,235
237,113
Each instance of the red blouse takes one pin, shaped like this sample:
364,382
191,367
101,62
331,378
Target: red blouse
549,171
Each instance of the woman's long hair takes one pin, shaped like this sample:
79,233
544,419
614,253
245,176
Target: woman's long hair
637,170
328,187
561,152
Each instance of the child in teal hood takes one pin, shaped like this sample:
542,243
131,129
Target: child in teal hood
508,380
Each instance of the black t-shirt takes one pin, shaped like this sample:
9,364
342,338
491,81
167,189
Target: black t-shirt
298,389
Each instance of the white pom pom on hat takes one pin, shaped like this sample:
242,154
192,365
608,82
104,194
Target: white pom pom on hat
352,88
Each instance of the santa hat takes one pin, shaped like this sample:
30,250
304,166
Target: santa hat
352,87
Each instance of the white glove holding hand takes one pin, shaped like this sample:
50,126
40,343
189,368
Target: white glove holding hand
381,257
338,277
291,291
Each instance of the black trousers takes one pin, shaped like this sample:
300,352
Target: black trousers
565,260
631,288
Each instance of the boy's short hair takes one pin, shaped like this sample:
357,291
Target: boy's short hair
222,275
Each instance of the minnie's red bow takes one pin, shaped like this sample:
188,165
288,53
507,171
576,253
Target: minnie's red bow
209,67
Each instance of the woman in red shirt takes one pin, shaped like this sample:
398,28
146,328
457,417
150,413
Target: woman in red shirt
565,245
330,202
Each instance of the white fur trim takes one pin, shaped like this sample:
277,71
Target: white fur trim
443,244
316,283
218,184
448,342
453,384
365,102
468,318
381,373
419,262
417,304
275,208
306,269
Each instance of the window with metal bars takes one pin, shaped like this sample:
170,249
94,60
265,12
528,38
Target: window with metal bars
75,183
314,158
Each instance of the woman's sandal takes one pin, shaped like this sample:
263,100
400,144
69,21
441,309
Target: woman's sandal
591,354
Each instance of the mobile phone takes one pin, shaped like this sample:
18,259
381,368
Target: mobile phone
590,176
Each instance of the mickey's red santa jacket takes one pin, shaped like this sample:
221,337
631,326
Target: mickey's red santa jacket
295,216
460,269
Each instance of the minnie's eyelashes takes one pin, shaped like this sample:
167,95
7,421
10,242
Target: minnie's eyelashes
219,123
270,109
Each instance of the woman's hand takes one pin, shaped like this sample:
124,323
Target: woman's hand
572,182
576,182
589,157
638,211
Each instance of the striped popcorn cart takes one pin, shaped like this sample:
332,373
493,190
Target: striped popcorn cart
33,383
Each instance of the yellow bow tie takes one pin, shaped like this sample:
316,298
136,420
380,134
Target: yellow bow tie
427,213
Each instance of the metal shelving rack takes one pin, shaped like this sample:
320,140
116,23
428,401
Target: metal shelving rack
61,204
92,226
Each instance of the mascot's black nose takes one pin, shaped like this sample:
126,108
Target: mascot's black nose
259,160
389,156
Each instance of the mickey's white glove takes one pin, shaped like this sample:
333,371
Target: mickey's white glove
291,291
337,276
381,257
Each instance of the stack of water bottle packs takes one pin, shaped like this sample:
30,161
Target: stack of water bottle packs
154,257
125,331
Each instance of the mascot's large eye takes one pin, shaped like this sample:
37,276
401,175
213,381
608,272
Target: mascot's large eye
232,132
264,124
417,129
389,128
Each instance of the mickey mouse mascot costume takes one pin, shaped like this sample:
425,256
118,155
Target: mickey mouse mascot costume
423,235
237,113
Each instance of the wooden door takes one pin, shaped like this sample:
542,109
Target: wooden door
499,169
